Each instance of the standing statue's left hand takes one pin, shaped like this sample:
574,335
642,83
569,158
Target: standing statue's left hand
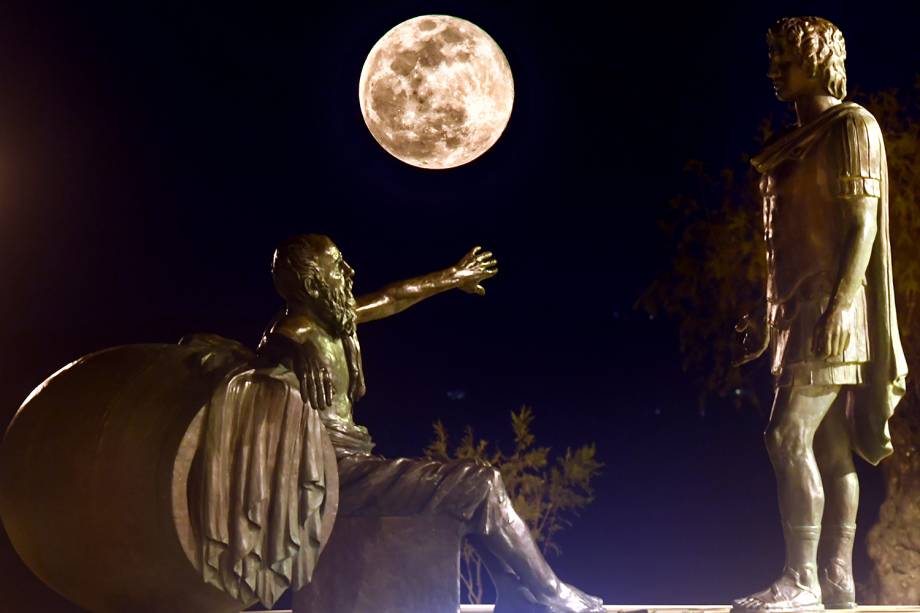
831,335
475,267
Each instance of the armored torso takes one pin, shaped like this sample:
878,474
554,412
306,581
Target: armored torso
808,175
803,218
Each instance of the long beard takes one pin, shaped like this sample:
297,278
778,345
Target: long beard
338,308
338,311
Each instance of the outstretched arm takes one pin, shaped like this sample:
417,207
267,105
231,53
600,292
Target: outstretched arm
466,275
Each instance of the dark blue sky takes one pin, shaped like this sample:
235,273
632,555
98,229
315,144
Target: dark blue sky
152,156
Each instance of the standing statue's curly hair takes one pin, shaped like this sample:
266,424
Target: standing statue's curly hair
820,47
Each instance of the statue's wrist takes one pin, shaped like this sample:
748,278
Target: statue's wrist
452,277
838,304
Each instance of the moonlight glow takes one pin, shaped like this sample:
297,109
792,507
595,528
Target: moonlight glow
436,91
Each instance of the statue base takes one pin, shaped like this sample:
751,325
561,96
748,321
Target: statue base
488,608
387,565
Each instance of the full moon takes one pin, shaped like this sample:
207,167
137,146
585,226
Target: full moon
436,91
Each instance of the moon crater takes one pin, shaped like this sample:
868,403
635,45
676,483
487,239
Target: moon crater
436,91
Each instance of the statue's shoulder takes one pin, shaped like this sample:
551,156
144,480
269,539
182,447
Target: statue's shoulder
855,141
846,127
853,116
852,109
297,327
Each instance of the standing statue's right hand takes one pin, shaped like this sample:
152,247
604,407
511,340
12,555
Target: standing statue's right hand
316,386
754,339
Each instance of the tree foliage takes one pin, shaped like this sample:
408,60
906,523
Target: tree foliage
546,493
717,272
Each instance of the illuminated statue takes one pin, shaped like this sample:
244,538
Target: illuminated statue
201,477
315,336
830,314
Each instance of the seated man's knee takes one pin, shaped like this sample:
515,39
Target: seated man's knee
488,475
490,480
495,477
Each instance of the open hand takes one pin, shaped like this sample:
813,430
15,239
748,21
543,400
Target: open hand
831,335
473,268
316,386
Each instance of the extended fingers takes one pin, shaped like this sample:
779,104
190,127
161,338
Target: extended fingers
314,383
833,344
306,387
471,255
827,343
830,341
328,387
842,339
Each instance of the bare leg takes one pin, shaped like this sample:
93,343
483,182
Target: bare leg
833,452
797,414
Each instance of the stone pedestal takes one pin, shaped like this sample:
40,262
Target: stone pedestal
387,565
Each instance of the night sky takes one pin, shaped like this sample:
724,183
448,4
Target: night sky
152,156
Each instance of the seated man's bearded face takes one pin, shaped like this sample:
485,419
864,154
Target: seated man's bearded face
310,270
335,300
329,289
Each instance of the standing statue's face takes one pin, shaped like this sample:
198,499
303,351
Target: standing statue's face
790,80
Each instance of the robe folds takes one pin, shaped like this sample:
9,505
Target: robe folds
263,497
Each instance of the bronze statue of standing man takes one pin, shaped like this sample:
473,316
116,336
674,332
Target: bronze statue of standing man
830,314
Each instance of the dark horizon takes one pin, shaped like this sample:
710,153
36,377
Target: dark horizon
151,157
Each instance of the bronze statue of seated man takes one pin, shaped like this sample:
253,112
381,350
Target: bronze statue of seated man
315,336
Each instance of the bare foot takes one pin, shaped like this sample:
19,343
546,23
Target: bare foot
787,595
837,588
